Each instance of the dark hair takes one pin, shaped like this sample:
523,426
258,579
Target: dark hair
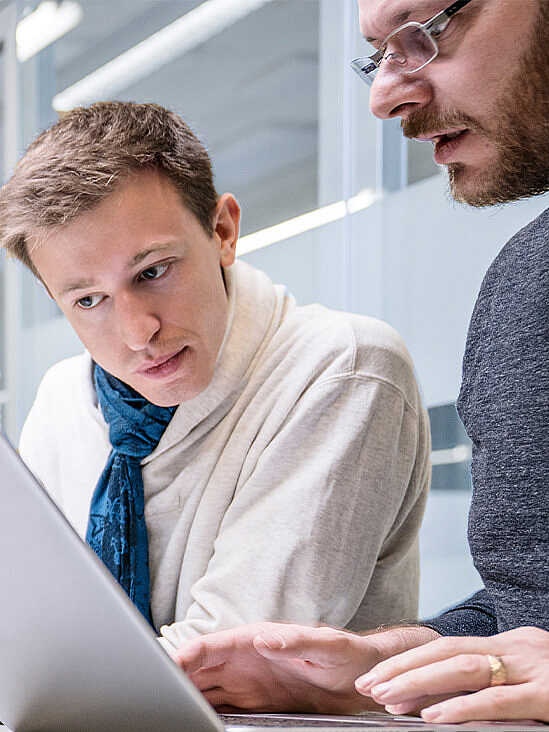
80,160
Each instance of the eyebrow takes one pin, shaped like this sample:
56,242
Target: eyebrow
77,285
134,261
140,256
397,20
400,19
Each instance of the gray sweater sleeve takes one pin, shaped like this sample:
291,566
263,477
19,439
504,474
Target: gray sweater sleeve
504,405
474,616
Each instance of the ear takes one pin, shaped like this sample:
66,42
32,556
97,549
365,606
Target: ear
226,227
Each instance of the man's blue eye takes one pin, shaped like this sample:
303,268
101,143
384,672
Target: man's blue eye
90,301
154,272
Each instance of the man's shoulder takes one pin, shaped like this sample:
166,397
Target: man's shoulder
528,247
359,345
60,407
67,385
538,228
340,330
67,372
519,275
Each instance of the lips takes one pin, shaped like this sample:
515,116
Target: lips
446,143
163,365
447,146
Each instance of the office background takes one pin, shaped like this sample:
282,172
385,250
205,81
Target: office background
367,222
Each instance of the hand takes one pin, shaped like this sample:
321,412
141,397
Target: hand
272,667
447,667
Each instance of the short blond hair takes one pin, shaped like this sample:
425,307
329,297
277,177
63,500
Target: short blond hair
71,167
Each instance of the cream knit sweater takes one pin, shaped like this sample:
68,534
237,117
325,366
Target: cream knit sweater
291,489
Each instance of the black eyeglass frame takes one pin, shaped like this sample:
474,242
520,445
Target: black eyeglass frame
365,65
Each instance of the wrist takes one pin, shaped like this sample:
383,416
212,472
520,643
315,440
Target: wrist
388,642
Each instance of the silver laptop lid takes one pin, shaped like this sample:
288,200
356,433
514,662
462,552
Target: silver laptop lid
75,653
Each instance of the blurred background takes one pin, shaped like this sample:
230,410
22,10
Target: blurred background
336,205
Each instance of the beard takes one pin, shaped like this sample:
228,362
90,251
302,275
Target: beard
520,133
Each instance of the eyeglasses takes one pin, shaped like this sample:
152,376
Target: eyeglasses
413,45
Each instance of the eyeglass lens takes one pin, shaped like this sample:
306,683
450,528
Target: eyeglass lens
409,47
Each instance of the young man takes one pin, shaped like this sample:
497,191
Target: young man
473,78
216,443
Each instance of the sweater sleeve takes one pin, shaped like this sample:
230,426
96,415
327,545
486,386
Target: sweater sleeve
324,528
474,616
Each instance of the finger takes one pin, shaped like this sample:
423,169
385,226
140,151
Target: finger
228,709
208,678
436,650
469,672
218,696
414,705
322,647
205,652
495,703
223,698
193,656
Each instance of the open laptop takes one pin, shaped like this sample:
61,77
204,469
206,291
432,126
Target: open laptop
76,655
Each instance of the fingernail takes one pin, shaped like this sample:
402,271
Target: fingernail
365,681
396,708
272,640
431,714
381,690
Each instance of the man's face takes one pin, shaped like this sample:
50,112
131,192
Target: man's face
141,283
489,85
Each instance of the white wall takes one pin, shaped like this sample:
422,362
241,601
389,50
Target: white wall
417,261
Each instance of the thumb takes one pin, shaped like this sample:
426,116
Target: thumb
297,646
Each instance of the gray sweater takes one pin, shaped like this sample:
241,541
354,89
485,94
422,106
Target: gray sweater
504,405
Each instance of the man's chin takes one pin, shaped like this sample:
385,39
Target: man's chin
466,187
171,394
506,179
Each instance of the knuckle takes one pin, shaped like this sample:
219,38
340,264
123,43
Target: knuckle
533,695
342,639
500,699
471,665
450,645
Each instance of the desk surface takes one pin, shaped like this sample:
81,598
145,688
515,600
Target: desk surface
368,720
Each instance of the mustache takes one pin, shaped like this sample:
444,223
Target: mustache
427,121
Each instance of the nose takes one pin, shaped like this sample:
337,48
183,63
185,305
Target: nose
136,321
397,94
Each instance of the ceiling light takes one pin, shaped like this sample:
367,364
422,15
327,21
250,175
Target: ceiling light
451,456
46,24
192,29
306,222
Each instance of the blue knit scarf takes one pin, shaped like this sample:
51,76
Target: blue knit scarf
116,526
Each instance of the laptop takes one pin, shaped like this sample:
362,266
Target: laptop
77,656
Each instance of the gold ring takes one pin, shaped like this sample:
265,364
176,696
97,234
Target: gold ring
498,672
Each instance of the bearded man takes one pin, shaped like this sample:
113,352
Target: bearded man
472,78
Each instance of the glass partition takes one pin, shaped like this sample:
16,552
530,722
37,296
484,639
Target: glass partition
3,394
8,344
